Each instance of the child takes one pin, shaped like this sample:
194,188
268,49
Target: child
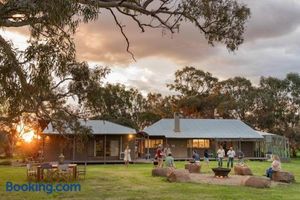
206,157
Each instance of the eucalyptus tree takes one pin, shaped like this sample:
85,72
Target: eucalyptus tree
237,98
115,102
195,90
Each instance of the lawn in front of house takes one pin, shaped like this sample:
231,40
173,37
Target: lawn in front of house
135,182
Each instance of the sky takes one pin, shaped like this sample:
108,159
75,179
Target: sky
271,48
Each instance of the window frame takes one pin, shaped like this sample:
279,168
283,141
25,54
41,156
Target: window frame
153,143
198,143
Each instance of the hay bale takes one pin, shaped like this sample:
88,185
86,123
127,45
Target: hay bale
242,170
179,176
258,182
194,168
187,166
284,177
160,172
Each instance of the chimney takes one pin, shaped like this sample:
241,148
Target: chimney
176,122
216,114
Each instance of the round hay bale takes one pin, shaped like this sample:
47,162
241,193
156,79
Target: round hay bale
160,172
187,166
242,170
179,176
284,177
194,168
258,182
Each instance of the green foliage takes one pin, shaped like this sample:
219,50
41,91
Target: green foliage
191,81
5,162
273,106
125,106
39,82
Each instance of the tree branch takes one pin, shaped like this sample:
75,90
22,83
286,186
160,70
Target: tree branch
123,33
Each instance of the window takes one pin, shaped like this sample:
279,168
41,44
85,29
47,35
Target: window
153,143
198,143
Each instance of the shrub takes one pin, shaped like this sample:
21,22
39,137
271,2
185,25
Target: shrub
5,162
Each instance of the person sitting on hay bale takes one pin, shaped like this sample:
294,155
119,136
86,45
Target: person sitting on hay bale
170,161
275,166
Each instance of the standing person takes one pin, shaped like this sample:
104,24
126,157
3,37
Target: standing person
159,156
231,155
206,157
196,157
275,167
221,154
167,150
170,161
127,157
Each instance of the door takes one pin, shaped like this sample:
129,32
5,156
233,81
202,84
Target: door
114,148
248,148
178,147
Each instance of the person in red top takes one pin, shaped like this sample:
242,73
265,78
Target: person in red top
159,156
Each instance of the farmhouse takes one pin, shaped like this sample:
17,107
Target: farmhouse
108,140
106,144
185,135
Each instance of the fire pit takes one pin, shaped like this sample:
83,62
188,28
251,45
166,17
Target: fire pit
221,172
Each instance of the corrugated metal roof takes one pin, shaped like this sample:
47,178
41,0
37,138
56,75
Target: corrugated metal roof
98,127
203,128
264,133
270,134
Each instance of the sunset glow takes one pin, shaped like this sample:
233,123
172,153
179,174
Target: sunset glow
26,134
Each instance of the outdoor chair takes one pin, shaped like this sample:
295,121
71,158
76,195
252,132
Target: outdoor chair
64,173
81,171
31,171
50,172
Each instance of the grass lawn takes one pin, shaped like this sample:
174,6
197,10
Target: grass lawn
136,182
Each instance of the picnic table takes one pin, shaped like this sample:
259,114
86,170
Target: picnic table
40,170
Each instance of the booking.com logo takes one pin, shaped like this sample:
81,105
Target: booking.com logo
43,187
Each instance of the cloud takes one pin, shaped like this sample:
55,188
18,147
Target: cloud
102,41
271,48
272,18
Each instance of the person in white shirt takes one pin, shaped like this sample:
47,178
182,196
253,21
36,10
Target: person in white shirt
221,154
231,155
